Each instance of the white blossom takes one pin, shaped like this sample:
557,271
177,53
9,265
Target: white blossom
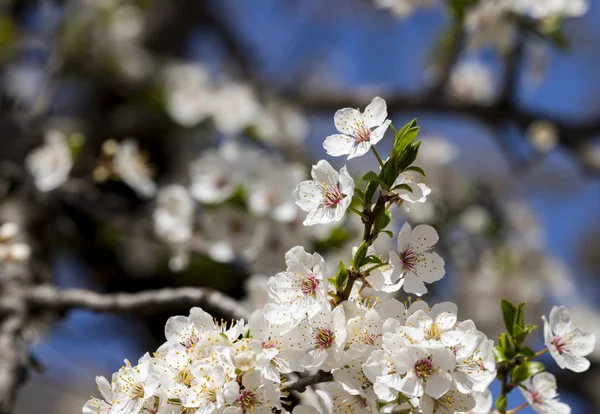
258,395
419,264
271,192
218,173
132,386
51,163
403,8
134,169
472,82
540,393
358,130
327,196
173,216
188,93
298,292
567,344
234,108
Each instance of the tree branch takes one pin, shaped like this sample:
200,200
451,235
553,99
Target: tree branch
301,384
573,136
142,303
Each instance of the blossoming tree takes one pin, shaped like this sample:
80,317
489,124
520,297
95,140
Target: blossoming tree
336,260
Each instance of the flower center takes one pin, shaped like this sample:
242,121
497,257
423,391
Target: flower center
308,284
247,399
332,196
185,377
369,339
324,338
409,259
190,342
434,332
537,398
423,368
362,133
560,343
137,391
268,343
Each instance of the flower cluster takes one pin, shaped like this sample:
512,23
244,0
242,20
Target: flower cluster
373,355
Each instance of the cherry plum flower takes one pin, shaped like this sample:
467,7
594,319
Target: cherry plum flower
419,264
567,344
327,196
359,131
540,393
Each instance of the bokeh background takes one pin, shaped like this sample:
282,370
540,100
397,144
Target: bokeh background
511,147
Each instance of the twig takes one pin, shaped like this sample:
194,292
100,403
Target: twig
301,384
142,303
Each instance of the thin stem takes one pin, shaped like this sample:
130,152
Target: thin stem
301,384
537,354
377,156
519,408
356,211
375,267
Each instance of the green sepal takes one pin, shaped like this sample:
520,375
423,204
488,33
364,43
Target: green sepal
359,256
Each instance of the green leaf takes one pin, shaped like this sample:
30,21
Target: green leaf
372,259
408,156
523,371
509,313
359,194
371,176
370,191
361,253
403,187
501,403
416,169
341,277
506,344
406,127
526,352
388,232
382,221
389,173
499,355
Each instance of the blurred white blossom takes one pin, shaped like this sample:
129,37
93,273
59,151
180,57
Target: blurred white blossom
51,163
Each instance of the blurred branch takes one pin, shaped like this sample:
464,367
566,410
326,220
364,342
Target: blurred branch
142,303
573,136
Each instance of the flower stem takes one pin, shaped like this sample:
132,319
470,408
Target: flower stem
356,211
537,354
377,156
519,408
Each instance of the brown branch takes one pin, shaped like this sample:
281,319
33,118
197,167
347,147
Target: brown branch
573,136
143,303
301,384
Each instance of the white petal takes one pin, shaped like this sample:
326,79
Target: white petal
323,172
430,267
338,144
378,133
437,385
346,183
403,237
345,120
423,238
376,112
560,321
581,343
412,284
